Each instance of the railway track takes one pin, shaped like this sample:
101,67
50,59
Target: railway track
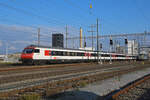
15,75
8,68
40,80
57,76
19,67
137,90
7,78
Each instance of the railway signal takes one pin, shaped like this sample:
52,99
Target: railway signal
111,42
84,44
100,46
126,41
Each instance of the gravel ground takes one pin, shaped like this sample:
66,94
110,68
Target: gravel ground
140,92
97,90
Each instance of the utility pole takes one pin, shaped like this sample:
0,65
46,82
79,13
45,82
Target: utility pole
97,44
38,36
98,49
6,50
84,41
92,31
66,35
111,44
6,55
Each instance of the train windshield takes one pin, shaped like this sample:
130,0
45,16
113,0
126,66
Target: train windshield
28,51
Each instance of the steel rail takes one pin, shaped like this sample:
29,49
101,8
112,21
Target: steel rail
132,85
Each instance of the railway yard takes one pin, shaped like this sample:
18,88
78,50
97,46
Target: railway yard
49,80
74,50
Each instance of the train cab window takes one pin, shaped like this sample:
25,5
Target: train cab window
36,51
28,51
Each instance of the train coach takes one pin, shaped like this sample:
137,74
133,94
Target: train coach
41,54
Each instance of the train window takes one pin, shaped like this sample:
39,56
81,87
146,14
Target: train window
72,53
64,53
80,54
57,53
28,51
36,51
120,55
53,53
60,53
68,54
93,54
75,54
106,55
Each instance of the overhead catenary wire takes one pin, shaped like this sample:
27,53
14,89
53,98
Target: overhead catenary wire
54,20
28,13
25,12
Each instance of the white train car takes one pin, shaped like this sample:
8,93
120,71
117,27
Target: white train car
40,54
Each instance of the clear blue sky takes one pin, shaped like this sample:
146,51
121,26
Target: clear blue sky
116,16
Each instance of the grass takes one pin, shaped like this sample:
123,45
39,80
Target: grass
33,96
83,84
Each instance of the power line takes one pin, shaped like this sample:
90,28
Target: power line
27,13
36,10
115,35
44,16
66,35
92,31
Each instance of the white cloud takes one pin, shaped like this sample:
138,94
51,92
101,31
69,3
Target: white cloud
22,42
12,48
17,28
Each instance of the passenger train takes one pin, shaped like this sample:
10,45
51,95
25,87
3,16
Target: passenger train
34,54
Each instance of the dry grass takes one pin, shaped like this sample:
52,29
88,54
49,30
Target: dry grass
33,96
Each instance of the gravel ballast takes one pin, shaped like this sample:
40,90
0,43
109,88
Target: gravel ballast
96,91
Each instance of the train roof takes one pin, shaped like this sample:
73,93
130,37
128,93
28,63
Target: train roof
40,46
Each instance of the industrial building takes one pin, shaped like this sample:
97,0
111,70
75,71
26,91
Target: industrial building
58,40
133,47
120,49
